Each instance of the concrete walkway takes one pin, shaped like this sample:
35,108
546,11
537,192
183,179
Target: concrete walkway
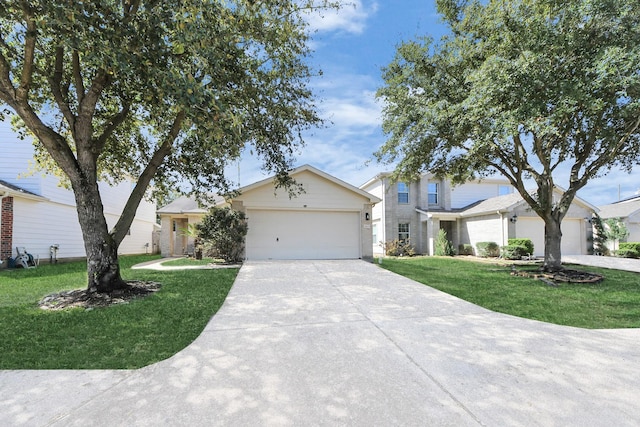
627,264
306,343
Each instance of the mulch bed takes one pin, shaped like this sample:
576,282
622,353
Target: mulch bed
566,275
84,299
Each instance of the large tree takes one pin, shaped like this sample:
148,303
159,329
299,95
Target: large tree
154,90
524,88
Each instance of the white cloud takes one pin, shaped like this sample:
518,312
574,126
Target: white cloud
351,17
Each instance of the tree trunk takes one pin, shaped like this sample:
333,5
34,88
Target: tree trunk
103,267
552,245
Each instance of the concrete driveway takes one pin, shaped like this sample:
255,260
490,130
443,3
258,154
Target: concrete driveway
347,343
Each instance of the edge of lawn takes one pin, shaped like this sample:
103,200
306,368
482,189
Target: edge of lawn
123,336
613,303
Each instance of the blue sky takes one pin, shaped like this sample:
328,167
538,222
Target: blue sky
351,47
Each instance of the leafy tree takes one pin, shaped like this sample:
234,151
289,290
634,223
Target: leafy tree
524,88
222,232
164,91
615,230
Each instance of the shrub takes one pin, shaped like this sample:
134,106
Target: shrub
399,247
443,246
632,246
488,249
465,249
514,251
627,252
223,231
527,243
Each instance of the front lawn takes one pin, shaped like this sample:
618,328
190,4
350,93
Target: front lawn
613,303
123,336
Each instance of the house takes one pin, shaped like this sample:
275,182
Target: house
477,211
329,220
39,215
628,210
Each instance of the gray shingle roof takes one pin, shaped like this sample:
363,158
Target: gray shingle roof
182,205
494,204
622,209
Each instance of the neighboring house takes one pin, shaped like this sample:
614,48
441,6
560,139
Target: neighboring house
628,210
330,220
477,211
37,213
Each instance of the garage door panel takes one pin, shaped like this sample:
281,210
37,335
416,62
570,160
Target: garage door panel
302,235
534,230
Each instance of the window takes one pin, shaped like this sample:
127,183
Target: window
433,193
403,232
403,193
374,232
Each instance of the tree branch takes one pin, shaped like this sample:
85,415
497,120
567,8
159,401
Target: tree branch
60,98
77,76
124,222
115,121
22,93
7,91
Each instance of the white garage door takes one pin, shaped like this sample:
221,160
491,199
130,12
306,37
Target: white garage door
534,230
303,235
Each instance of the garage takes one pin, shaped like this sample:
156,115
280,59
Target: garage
572,236
277,234
329,219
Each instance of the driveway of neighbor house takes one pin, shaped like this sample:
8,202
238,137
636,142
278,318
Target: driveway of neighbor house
348,343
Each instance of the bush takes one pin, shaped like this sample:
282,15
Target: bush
527,243
465,249
399,247
488,249
627,253
443,245
632,246
223,231
514,251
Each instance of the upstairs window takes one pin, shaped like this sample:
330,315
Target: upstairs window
433,196
403,193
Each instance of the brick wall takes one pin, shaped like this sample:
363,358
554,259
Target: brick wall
6,230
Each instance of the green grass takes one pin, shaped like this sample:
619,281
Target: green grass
123,336
613,303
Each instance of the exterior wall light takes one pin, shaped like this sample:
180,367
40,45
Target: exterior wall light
514,218
366,216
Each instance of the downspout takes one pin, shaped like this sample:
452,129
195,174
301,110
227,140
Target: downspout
501,228
383,222
4,194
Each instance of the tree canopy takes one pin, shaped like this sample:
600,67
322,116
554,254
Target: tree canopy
530,89
159,91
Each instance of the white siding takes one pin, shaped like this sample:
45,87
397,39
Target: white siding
490,228
633,225
319,194
15,159
471,192
39,224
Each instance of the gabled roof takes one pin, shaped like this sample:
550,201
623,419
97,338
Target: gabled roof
7,189
621,209
182,205
504,203
309,168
